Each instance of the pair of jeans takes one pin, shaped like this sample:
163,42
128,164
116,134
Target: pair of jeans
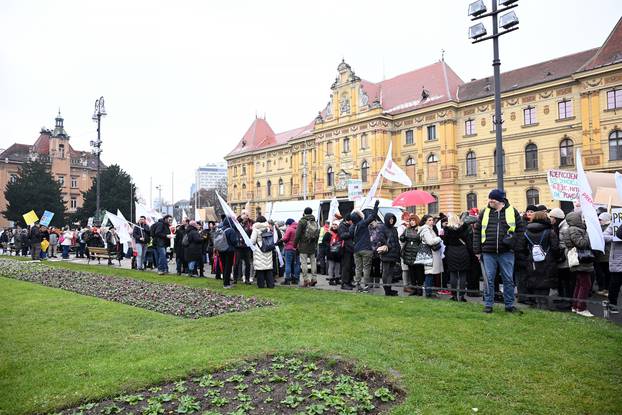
334,269
429,282
346,268
192,266
141,254
305,267
65,251
582,290
292,266
161,259
362,266
505,263
81,247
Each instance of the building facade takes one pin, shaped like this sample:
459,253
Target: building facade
443,134
208,176
74,169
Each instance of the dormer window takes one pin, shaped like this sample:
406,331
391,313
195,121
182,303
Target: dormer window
61,151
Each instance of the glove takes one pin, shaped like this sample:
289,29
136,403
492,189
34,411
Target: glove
376,204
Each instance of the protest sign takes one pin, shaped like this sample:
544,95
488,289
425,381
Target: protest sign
30,217
355,189
564,184
616,222
46,218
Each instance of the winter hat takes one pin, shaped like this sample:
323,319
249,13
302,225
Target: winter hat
289,221
605,218
497,194
557,213
532,208
308,211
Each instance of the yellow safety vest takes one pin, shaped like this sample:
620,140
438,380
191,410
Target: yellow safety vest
510,220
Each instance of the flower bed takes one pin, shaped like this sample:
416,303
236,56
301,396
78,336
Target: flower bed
277,385
164,298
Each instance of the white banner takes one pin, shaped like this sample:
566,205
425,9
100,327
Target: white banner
334,208
393,172
616,222
588,210
234,221
618,177
355,189
563,184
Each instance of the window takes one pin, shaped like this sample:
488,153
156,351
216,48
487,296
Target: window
409,137
346,145
471,164
74,182
433,207
469,127
74,203
529,116
614,99
61,180
410,161
281,187
13,178
364,171
258,192
61,151
531,157
471,200
269,165
243,170
329,148
615,145
431,132
494,162
564,109
364,142
432,167
410,167
330,177
533,197
235,171
269,188
235,195
566,152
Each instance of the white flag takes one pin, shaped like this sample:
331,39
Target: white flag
372,192
393,172
233,220
588,210
618,177
334,208
184,215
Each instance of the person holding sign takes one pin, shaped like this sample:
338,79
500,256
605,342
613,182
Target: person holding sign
613,235
35,238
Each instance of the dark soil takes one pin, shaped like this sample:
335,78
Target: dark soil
276,385
164,298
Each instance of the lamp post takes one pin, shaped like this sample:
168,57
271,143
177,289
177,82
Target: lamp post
100,111
159,189
509,23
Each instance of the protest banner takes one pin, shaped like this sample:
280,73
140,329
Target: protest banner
594,232
563,184
355,189
30,217
46,218
616,222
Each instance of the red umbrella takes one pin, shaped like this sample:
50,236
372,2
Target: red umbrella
414,198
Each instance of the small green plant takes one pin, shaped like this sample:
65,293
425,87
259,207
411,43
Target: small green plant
348,410
263,372
268,400
212,393
257,381
111,409
266,388
87,406
219,401
294,389
384,395
278,359
130,399
180,386
248,370
188,404
155,389
165,397
326,377
278,366
292,401
235,379
153,408
321,394
243,397
277,379
315,409
210,413
310,367
241,387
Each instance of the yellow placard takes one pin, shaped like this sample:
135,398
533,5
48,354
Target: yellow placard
30,217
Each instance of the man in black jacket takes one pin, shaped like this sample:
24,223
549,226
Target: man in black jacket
496,235
390,252
363,252
142,237
35,238
348,253
160,232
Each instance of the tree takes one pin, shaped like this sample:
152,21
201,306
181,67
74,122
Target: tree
117,192
35,189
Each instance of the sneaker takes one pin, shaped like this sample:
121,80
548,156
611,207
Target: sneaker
286,282
513,310
347,287
313,283
487,310
227,287
574,310
585,313
613,309
160,273
364,289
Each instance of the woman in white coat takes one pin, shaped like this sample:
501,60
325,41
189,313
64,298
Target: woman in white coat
263,237
67,241
428,237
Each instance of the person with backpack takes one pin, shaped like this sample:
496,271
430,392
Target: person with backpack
540,248
292,260
576,239
262,236
243,254
412,242
334,251
160,234
363,251
192,243
307,235
347,258
225,241
389,251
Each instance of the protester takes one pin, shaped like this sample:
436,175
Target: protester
243,254
431,244
389,251
322,250
160,232
458,259
498,227
307,235
262,237
192,243
65,241
334,252
601,265
225,241
181,263
347,259
415,274
113,244
363,251
53,243
292,260
35,237
141,236
615,266
577,238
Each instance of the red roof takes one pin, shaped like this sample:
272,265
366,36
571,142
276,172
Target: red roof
42,145
610,52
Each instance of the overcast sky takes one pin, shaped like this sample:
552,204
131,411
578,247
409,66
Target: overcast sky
183,81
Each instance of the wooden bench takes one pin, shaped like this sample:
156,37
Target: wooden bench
101,253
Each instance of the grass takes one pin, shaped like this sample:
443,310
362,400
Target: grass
58,349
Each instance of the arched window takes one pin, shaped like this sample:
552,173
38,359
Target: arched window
433,207
615,145
471,164
235,195
531,157
533,197
471,200
494,162
432,162
364,171
269,188
61,151
258,192
566,151
410,161
281,187
330,177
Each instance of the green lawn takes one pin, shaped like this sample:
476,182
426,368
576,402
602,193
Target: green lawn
58,348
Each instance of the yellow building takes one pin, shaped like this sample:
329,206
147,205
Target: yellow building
74,170
442,134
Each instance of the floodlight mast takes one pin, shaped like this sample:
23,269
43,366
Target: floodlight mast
477,11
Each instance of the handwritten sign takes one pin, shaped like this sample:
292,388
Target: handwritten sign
355,189
616,222
46,218
30,217
563,184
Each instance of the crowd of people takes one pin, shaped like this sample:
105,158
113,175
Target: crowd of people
541,257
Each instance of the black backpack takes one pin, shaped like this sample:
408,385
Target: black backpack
267,241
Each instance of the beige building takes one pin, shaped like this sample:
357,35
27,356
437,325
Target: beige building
442,133
74,170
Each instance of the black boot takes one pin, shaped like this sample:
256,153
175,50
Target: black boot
388,291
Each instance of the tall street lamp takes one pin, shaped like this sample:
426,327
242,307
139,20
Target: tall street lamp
100,111
509,23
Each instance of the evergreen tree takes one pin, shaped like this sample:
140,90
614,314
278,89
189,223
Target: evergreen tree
117,192
35,189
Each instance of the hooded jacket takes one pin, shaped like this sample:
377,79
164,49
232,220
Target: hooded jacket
261,260
457,256
428,237
388,237
305,246
540,275
346,237
497,231
160,232
360,229
194,250
290,236
577,237
412,242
